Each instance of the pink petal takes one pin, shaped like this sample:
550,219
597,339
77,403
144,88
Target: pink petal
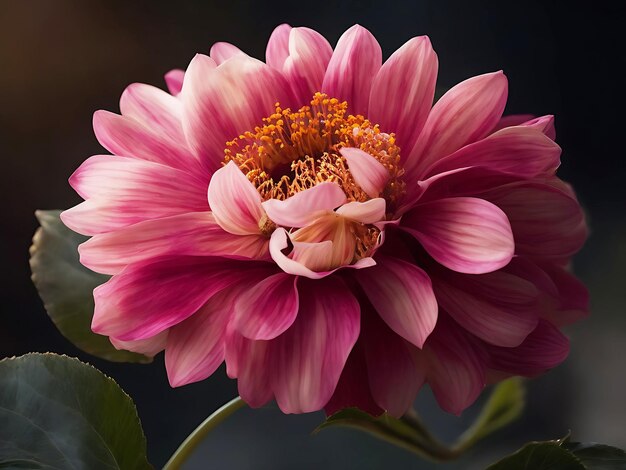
352,68
278,46
367,172
127,137
267,309
307,360
403,91
465,114
465,234
301,208
174,81
316,256
368,212
235,202
221,103
155,109
498,307
195,347
402,294
194,233
125,191
149,346
305,67
543,123
573,296
455,372
546,221
512,120
147,298
222,51
545,348
396,369
521,151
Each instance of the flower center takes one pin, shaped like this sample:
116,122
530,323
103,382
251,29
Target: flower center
296,150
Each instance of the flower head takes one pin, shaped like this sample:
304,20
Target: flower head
316,222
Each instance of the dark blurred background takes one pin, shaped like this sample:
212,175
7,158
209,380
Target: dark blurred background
61,60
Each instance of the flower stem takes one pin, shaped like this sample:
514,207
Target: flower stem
191,442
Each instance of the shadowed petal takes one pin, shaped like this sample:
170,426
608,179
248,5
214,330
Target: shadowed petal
174,81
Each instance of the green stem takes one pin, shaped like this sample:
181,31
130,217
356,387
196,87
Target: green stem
188,446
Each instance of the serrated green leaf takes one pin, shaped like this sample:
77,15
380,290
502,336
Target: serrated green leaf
66,287
505,404
547,455
59,413
598,456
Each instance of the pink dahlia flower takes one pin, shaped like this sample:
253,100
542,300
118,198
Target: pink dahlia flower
317,223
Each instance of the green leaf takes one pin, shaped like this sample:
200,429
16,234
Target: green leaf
66,287
59,413
547,455
505,404
598,456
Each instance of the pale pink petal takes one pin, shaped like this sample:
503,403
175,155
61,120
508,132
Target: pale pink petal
402,294
403,91
465,114
195,233
367,172
277,49
127,137
498,307
249,362
221,103
125,191
455,372
396,369
545,348
174,81
305,67
301,208
465,234
353,389
307,360
268,308
352,68
149,297
195,347
234,201
155,109
546,221
316,256
522,151
149,346
367,212
222,51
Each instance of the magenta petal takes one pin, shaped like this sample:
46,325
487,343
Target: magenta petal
222,51
497,307
195,347
402,295
545,348
465,234
277,49
455,372
194,233
235,202
147,298
308,358
267,309
305,67
352,68
521,151
174,81
148,346
301,208
221,103
367,172
512,120
543,123
465,114
403,91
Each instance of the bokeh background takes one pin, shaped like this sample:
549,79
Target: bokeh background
60,60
